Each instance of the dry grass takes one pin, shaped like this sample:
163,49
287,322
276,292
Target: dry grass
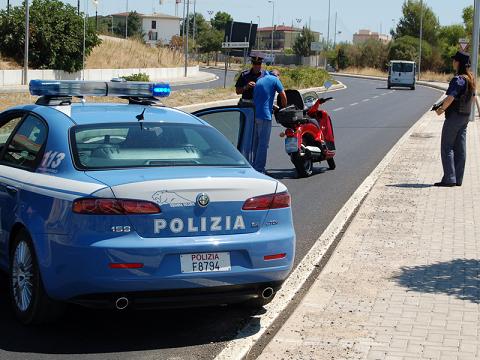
426,75
178,98
126,54
7,64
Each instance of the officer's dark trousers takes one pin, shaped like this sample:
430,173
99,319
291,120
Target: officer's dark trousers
454,147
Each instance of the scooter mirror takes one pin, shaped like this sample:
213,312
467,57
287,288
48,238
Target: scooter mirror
327,84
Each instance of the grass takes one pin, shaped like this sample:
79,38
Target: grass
426,75
126,54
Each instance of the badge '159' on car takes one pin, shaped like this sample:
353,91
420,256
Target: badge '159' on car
135,205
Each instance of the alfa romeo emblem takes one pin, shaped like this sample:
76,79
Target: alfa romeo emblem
203,200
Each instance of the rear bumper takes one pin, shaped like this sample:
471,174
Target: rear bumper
71,272
178,298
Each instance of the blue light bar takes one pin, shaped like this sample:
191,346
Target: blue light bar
98,88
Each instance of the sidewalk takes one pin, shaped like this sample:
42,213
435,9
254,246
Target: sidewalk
404,282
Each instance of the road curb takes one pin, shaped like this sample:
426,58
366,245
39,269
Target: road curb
239,348
195,107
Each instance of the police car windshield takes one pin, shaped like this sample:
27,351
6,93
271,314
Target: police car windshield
111,146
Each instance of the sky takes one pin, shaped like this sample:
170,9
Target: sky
352,14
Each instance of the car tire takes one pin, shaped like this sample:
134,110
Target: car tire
389,86
29,300
303,164
331,164
412,87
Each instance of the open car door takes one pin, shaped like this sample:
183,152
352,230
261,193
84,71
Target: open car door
236,123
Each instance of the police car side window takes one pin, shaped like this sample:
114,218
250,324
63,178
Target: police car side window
7,128
25,146
229,123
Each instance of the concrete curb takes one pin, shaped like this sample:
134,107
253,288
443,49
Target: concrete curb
240,347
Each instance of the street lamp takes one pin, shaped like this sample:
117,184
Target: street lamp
96,14
27,38
126,23
421,40
210,13
273,24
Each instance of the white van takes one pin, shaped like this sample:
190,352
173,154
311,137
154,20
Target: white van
402,74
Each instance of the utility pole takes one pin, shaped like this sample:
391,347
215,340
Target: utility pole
126,23
194,26
328,27
8,7
96,14
78,7
187,31
335,35
273,26
475,45
421,40
27,39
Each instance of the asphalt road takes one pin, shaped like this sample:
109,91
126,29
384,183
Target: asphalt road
368,120
210,84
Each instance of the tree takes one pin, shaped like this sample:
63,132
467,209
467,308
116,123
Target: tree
467,15
220,20
409,24
209,42
303,43
56,35
134,29
200,23
342,58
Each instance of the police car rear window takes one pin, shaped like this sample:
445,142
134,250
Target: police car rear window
151,145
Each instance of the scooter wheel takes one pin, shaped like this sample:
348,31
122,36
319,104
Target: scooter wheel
303,164
331,164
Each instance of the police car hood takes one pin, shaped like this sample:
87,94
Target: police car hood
177,192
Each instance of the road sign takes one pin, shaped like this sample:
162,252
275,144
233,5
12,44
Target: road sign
316,46
235,45
463,44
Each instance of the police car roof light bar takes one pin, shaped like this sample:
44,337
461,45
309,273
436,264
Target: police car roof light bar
53,88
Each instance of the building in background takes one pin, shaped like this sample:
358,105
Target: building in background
157,28
365,35
283,37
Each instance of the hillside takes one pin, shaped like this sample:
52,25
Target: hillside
115,53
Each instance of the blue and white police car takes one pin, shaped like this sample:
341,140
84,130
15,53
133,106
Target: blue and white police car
135,205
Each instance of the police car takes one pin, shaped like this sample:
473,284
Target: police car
135,205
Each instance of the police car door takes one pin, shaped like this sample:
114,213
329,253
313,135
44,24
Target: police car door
236,123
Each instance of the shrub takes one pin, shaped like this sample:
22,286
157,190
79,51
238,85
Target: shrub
137,77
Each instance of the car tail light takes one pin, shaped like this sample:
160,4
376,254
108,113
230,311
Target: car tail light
125,265
267,202
274,257
114,207
289,133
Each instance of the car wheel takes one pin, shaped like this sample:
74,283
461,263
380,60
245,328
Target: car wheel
303,164
29,300
331,164
389,86
412,88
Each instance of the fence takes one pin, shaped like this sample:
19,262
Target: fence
14,77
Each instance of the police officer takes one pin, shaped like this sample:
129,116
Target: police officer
248,78
456,107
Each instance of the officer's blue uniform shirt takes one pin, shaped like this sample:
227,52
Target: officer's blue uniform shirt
457,87
244,78
264,95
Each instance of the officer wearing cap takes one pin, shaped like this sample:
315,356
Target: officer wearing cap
456,107
248,78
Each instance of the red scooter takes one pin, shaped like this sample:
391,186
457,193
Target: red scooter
309,136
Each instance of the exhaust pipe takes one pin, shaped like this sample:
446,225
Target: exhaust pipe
267,293
121,303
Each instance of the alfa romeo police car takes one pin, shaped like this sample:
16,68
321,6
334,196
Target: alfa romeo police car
135,205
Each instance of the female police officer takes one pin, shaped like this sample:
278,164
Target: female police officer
457,107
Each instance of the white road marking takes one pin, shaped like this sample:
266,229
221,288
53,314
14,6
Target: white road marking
376,96
354,104
239,347
383,94
338,109
365,100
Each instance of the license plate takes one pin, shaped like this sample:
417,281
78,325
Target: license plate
205,262
291,145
